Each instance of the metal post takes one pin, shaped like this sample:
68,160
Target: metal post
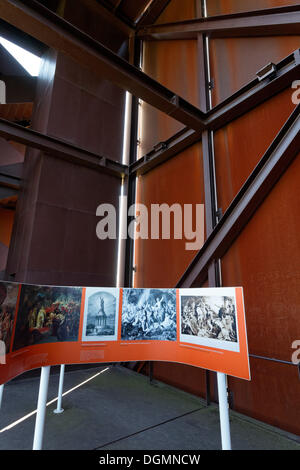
207,386
1,394
41,409
59,409
224,412
150,372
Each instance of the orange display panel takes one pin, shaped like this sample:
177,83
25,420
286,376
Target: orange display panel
54,325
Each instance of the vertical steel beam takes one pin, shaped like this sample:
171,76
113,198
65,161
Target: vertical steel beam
135,53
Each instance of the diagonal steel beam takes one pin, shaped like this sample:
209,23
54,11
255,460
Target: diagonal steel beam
270,22
60,149
271,167
255,92
120,22
152,13
49,28
247,98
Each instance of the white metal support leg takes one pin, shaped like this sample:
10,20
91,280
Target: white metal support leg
41,409
224,412
1,394
59,409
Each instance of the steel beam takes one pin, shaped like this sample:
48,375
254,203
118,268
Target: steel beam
152,13
46,26
60,149
164,151
271,167
247,98
111,16
270,22
255,93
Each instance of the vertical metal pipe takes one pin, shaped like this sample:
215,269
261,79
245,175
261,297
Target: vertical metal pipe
59,409
150,371
1,394
224,412
41,409
135,58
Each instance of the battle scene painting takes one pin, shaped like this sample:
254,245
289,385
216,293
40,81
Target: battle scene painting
8,300
47,314
208,320
149,314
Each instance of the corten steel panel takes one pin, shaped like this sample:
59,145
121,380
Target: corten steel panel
133,8
178,374
178,10
180,180
54,239
9,154
272,396
240,145
235,61
226,7
168,62
265,260
6,224
92,22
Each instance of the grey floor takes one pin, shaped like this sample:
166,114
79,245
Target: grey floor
119,409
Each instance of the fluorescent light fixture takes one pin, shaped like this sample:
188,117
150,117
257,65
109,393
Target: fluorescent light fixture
30,62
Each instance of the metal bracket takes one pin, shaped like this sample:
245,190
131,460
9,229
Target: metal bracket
268,71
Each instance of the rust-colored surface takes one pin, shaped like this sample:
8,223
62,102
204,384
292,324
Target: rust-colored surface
234,63
167,62
241,144
10,153
16,111
265,260
225,7
272,396
133,8
54,239
9,202
6,224
179,374
160,263
178,10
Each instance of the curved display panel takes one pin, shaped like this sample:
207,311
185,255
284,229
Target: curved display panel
52,325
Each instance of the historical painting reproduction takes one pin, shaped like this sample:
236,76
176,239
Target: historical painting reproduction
8,300
208,318
47,314
149,314
101,314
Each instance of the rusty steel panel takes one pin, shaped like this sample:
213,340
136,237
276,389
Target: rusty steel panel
165,61
178,374
233,63
160,262
241,144
272,396
265,260
226,7
177,10
133,8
